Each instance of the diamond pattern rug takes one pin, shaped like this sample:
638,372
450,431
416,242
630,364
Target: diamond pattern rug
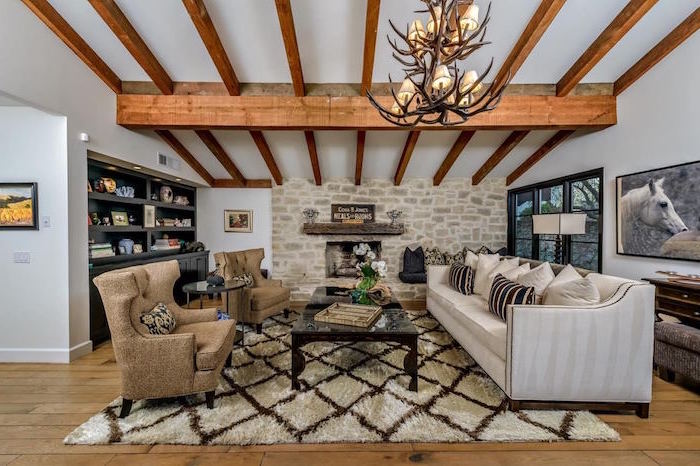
350,392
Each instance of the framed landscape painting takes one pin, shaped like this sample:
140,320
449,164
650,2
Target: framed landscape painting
238,221
658,213
18,206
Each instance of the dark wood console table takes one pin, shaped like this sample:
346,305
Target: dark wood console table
680,300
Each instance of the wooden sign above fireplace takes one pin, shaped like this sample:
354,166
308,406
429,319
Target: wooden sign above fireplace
352,213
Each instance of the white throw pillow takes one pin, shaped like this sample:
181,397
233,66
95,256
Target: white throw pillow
486,264
503,267
471,259
540,277
513,274
567,274
578,292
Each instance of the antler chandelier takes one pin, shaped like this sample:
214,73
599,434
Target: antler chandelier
435,90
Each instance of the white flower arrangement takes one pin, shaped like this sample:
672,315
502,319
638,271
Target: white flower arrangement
380,268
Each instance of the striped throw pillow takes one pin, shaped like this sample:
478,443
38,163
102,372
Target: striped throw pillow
462,278
505,292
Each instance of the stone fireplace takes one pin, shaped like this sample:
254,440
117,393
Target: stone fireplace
340,260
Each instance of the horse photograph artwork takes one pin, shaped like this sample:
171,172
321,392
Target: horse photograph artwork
658,213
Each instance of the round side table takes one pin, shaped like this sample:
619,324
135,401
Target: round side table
203,288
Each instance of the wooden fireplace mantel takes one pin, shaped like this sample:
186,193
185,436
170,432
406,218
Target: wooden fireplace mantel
353,229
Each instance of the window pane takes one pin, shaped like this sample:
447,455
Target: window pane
523,248
551,199
592,226
585,255
585,194
523,227
547,251
524,203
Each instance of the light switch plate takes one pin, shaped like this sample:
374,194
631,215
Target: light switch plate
22,257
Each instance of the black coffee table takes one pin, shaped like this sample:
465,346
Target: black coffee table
392,326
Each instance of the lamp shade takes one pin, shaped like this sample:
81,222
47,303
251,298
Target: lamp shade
441,78
559,224
406,92
468,80
416,32
434,24
469,20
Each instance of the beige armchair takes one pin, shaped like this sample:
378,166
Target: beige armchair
252,305
188,360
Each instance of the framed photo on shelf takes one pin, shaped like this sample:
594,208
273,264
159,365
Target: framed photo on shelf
19,206
149,216
120,218
238,221
658,214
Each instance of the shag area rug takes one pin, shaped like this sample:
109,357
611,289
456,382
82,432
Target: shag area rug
351,392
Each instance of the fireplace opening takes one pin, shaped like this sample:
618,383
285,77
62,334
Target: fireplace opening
340,260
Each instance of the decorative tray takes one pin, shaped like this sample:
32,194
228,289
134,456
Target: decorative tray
349,314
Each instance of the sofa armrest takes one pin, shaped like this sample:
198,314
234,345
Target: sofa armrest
601,352
155,366
192,316
438,274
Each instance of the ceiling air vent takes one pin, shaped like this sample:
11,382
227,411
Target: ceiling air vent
162,160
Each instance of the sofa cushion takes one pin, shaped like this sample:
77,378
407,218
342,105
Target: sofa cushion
679,335
472,311
267,296
433,256
214,341
159,320
566,274
486,264
506,265
418,277
462,278
581,292
414,261
505,293
540,277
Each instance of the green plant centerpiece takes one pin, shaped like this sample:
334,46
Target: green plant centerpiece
370,272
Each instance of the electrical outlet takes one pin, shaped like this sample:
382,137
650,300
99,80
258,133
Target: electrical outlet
22,257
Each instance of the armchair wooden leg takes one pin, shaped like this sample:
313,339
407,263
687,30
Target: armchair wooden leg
126,408
286,313
642,410
210,399
229,359
258,328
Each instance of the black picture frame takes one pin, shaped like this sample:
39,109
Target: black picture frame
618,196
33,189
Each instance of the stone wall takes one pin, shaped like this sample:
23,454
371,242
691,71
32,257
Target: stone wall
450,216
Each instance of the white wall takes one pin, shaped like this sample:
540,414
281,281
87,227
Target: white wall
34,309
211,204
37,68
658,123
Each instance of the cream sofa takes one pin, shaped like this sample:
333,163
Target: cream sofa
598,357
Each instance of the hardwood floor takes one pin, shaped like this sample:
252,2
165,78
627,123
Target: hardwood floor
41,403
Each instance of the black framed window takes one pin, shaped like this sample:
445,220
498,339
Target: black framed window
581,192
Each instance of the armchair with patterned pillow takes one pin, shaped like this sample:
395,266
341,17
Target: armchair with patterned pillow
254,304
159,358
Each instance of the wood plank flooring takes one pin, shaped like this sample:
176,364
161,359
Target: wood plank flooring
41,403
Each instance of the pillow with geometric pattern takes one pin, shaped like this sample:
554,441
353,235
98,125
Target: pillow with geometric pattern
505,292
247,279
159,320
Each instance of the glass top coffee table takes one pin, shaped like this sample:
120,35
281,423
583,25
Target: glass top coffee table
393,325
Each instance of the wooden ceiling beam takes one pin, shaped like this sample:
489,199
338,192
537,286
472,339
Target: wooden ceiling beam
515,112
371,25
186,155
266,153
540,21
202,21
359,156
54,21
503,150
546,148
616,30
406,154
125,32
227,183
220,153
452,155
676,37
289,36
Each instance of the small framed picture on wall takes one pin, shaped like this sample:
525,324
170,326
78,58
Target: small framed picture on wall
238,221
18,206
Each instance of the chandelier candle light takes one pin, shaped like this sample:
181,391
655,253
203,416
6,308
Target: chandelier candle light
435,90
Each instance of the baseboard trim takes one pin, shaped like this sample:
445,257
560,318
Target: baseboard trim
45,355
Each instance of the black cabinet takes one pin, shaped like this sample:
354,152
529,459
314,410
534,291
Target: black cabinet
193,267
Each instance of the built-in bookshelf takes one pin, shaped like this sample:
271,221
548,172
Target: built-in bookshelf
146,193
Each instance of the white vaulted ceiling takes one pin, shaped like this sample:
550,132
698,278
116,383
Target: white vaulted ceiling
330,34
